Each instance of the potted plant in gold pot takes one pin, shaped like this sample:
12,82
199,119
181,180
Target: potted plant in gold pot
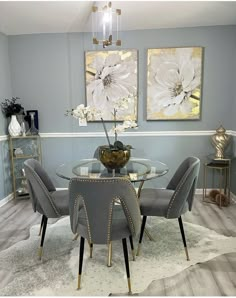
113,155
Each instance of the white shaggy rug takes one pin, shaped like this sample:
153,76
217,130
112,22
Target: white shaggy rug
56,274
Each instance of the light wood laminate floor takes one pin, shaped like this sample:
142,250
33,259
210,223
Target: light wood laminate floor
216,277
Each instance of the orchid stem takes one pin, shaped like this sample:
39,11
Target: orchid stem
115,124
105,129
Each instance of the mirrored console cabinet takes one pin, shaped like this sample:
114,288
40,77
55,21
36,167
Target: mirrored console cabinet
21,149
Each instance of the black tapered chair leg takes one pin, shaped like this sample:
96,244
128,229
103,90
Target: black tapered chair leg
44,227
183,237
126,257
81,257
132,246
141,234
41,226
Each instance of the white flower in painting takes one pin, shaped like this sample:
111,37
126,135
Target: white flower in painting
123,103
173,78
114,79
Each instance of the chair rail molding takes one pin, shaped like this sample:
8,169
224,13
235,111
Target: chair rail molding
3,138
232,133
165,133
129,134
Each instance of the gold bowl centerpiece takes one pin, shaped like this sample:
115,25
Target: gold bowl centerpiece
114,158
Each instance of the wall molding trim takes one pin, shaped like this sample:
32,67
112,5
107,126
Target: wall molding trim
99,134
232,133
6,199
3,138
128,134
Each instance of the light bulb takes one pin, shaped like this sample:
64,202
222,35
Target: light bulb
106,17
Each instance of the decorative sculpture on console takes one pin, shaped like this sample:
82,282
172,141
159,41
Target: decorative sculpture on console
220,140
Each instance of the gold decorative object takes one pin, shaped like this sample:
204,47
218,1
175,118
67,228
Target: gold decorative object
113,159
220,140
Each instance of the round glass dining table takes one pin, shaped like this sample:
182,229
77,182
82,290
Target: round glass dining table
137,169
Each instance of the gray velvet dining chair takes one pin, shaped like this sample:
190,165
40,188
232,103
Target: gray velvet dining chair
46,200
173,201
103,210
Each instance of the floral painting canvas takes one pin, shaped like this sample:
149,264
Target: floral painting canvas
111,81
174,83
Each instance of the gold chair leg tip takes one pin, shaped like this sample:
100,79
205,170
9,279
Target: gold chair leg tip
79,282
187,255
40,252
138,250
133,255
129,286
75,237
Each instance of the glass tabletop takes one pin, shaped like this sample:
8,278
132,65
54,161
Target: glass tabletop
137,169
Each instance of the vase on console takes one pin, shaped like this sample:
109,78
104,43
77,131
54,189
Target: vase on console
32,130
14,127
220,140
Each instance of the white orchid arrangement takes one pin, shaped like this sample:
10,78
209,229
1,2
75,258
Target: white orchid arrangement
88,113
83,113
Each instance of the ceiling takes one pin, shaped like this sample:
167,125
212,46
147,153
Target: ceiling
27,17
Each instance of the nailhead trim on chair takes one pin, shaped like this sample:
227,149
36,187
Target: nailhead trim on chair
110,221
87,220
111,180
129,217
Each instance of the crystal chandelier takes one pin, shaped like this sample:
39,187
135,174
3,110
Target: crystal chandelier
106,25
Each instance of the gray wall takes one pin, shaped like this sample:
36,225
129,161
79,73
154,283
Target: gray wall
5,92
5,78
233,118
47,73
233,87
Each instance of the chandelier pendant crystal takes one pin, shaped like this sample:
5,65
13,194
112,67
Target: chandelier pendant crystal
106,25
